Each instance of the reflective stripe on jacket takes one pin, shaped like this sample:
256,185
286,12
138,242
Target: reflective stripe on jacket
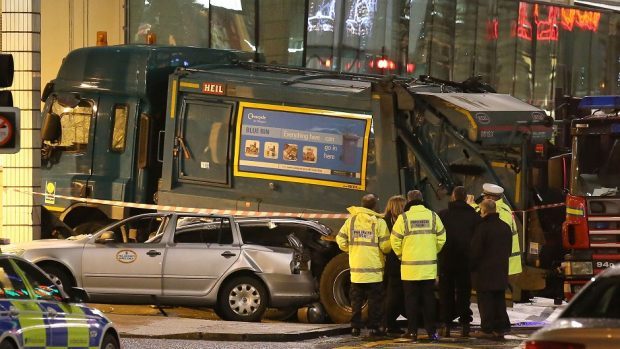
366,238
417,237
505,214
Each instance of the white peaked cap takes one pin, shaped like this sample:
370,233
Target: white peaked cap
492,189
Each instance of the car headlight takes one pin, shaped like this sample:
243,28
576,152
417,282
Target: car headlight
14,251
578,268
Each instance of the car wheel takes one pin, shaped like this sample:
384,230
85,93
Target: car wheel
334,289
110,342
60,277
7,344
243,298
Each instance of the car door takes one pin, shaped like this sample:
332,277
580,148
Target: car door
128,261
68,324
202,251
18,307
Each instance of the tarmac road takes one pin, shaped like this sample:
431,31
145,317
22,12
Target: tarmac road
335,342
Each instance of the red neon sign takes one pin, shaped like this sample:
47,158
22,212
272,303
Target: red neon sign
547,29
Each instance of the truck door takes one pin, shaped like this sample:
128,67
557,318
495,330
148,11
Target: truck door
67,152
113,151
204,142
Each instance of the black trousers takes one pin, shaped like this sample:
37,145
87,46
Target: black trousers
394,300
454,296
420,294
493,314
359,293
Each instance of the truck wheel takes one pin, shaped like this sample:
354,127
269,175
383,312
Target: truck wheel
243,298
59,276
334,289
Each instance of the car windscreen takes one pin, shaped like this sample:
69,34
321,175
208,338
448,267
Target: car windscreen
600,300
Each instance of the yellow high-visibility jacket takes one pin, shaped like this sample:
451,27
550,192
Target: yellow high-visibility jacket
505,214
417,237
365,236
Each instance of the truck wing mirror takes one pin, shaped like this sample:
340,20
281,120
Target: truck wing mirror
47,91
558,172
51,127
105,237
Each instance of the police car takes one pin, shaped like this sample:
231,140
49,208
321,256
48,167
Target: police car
36,313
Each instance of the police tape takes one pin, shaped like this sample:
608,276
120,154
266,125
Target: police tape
225,211
541,207
190,209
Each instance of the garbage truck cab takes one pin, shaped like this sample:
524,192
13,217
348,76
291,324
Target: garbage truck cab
100,127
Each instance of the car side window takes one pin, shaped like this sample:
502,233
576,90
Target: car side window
11,284
203,230
139,230
44,288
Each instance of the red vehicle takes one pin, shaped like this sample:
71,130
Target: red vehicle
591,232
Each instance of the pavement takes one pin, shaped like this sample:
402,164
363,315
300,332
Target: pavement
187,323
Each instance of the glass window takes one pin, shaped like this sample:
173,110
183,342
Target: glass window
281,31
321,40
507,11
442,38
206,134
233,24
524,66
74,124
173,22
600,300
43,287
465,39
142,229
203,230
119,133
11,284
419,36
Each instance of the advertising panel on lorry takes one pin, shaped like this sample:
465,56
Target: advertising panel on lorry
302,145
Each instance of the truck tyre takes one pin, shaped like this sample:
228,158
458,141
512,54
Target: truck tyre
110,342
334,289
59,276
243,298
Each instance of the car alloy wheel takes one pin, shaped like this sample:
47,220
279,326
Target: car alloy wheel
244,299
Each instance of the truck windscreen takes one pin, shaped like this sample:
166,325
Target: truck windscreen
70,123
596,165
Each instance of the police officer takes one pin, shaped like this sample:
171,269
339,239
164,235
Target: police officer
490,252
417,237
366,238
495,192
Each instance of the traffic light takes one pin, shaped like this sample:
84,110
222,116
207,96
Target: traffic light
9,116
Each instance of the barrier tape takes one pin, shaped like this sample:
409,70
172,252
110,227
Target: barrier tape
542,207
193,209
227,212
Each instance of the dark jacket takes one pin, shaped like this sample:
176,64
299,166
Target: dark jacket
460,220
392,263
491,246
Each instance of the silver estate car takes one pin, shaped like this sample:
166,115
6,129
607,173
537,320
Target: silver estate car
591,320
183,260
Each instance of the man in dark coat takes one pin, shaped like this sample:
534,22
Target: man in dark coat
460,220
491,246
